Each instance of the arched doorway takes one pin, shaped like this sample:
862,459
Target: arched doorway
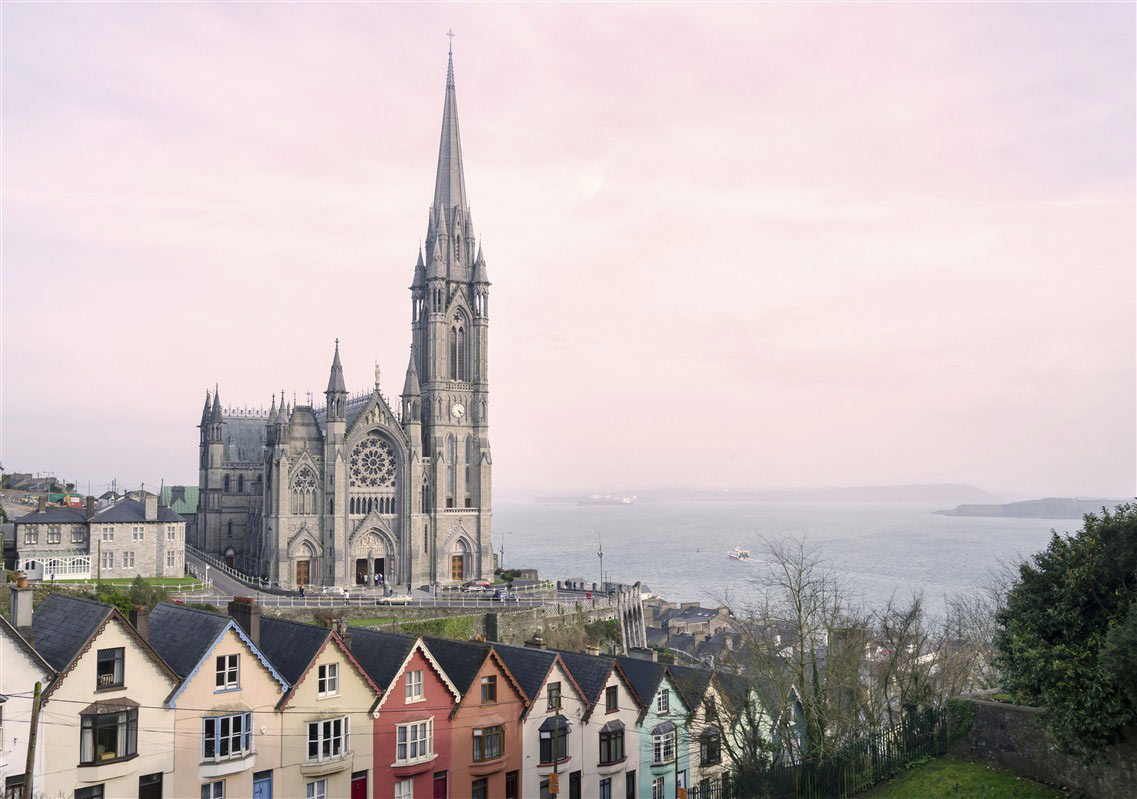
373,559
230,553
302,570
460,561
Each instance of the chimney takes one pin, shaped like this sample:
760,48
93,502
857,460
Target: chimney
536,642
592,650
643,653
140,620
247,613
90,506
22,612
42,504
151,505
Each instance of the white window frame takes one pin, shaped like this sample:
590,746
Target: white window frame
107,560
414,742
243,738
108,535
213,790
228,669
404,789
328,680
330,744
661,745
415,690
138,534
318,790
55,534
128,559
663,701
171,533
657,788
171,559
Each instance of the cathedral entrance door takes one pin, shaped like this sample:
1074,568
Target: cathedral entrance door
379,569
302,572
457,567
361,571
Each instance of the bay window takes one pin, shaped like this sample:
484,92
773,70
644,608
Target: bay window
327,739
108,736
414,742
611,742
488,743
554,733
663,743
224,737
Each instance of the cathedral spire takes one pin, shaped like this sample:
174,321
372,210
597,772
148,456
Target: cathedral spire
335,379
450,183
216,414
206,410
410,386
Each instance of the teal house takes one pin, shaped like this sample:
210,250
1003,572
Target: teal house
664,742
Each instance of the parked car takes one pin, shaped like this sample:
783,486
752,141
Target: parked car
334,590
393,599
477,585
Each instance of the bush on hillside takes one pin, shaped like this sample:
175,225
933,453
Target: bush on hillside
1067,637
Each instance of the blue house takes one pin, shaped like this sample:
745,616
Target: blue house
664,742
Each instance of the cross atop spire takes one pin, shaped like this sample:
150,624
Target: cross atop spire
450,183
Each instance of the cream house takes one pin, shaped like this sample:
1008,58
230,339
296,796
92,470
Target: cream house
327,715
107,730
227,735
21,667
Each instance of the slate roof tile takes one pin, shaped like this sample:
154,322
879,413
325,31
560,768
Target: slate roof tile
461,660
54,514
182,636
290,645
380,654
644,675
590,672
528,665
64,624
131,510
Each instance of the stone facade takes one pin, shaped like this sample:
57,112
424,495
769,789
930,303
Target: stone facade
362,489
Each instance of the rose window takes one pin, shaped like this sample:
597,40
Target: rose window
372,463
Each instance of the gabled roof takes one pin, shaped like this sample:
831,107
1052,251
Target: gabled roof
22,644
180,499
691,683
291,646
461,660
530,667
54,514
645,676
381,654
183,635
64,624
590,672
131,510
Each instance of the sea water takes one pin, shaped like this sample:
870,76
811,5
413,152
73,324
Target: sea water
679,549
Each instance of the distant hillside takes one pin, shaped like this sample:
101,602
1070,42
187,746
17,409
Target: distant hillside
931,493
1049,508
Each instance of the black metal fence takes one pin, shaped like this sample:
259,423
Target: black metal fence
860,765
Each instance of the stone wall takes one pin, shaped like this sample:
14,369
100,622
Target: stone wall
1012,737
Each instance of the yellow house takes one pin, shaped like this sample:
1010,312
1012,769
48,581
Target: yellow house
327,715
227,735
106,728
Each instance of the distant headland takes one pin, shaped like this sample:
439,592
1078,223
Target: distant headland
929,493
1048,508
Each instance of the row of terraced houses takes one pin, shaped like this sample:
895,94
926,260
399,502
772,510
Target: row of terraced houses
180,702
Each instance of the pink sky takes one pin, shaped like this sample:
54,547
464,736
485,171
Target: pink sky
731,245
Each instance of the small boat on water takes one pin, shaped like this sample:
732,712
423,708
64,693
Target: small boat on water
739,554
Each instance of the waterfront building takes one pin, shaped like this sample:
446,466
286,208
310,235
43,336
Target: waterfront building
338,494
412,731
486,754
227,742
664,745
326,714
114,734
22,668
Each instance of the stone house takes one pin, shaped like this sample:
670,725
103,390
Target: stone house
113,687
22,668
664,745
225,707
326,716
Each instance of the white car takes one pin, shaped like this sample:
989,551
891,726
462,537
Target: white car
335,590
393,599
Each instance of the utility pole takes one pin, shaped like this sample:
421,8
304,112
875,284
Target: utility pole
555,783
600,552
30,763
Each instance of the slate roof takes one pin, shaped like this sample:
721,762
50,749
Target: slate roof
54,514
684,642
590,672
244,438
290,646
691,682
461,660
529,666
131,510
380,654
64,624
644,675
21,643
656,636
181,636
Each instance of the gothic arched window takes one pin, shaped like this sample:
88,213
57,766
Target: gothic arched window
451,488
240,484
372,462
304,489
458,344
226,484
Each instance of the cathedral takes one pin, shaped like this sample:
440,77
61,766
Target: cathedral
358,491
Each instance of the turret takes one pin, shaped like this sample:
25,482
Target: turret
336,393
216,420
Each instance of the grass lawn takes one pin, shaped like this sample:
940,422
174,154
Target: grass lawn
370,621
165,582
952,777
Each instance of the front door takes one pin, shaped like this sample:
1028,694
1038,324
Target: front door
380,575
150,786
262,785
229,561
440,785
361,571
574,785
302,575
359,785
456,567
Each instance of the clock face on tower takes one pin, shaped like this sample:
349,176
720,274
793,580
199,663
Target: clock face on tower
458,410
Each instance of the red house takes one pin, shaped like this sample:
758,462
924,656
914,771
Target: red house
412,728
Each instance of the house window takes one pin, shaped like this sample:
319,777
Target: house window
77,535
710,712
611,699
405,789
606,788
327,739
414,686
54,535
630,785
611,745
663,747
488,743
224,737
318,789
108,736
171,560
108,669
108,560
213,790
108,535
657,788
554,744
554,695
489,689
128,560
228,671
479,789
328,681
710,748
414,742
171,533
138,534
663,701
31,535
90,792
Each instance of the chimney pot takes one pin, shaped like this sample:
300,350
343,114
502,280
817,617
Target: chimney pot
22,612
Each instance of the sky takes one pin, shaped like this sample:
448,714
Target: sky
730,245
